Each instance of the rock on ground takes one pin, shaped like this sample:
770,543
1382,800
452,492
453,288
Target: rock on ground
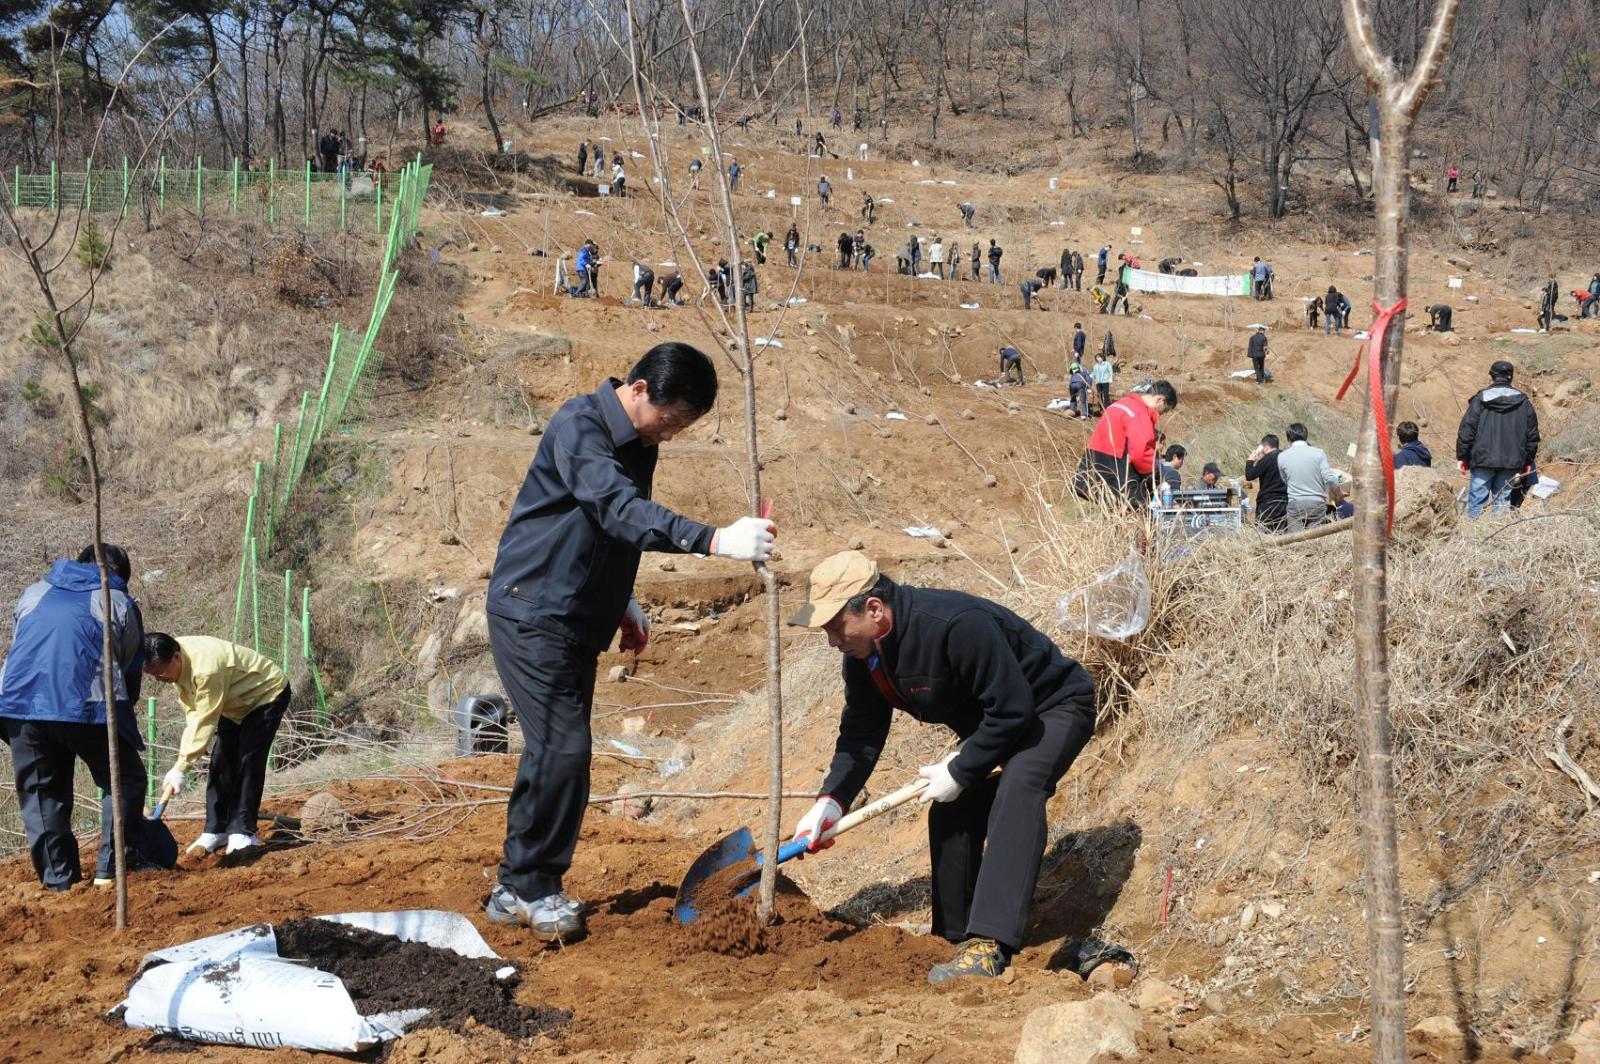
1585,1042
1157,996
323,816
1075,1032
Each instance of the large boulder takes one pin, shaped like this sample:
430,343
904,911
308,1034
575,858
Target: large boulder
1075,1032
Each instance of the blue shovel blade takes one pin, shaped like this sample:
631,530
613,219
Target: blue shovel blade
736,848
724,853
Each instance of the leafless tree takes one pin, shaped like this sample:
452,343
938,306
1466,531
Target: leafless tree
45,252
1399,100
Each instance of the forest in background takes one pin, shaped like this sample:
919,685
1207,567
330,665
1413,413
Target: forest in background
1257,89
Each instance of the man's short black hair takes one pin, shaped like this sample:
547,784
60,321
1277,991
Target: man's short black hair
1501,371
883,589
1407,431
116,559
1165,390
677,374
159,647
1297,431
1175,451
1271,441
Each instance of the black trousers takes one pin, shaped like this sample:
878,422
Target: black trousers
550,681
1260,366
1116,474
987,844
43,757
239,768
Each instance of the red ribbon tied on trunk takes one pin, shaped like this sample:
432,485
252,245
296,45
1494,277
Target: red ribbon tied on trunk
1376,338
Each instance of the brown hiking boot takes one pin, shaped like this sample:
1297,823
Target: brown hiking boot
977,956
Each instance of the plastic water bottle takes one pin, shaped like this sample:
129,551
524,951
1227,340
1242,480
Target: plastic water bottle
1166,494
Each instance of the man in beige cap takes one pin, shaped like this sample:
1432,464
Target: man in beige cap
947,657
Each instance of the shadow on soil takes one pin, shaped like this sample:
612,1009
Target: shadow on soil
1081,879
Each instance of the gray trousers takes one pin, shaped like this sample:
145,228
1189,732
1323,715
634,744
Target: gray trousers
1304,514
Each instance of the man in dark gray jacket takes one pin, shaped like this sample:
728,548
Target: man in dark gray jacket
947,657
1497,441
562,587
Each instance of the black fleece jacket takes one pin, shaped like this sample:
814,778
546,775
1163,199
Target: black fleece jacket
1500,430
961,661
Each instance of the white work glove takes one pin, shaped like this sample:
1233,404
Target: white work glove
942,787
175,781
635,627
818,819
748,539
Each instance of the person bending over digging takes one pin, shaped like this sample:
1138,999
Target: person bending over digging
1017,703
561,588
237,695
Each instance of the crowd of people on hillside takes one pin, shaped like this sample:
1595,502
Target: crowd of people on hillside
1297,488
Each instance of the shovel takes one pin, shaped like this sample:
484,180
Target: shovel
161,806
739,847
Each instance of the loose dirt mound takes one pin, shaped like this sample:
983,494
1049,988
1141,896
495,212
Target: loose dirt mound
384,974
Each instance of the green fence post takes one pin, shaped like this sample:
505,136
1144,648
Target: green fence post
379,188
294,452
124,186
235,184
272,191
322,399
244,564
272,488
88,190
288,597
199,185
161,183
311,664
53,185
344,206
308,195
150,744
255,597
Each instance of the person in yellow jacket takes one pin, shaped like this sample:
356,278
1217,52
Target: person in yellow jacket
237,695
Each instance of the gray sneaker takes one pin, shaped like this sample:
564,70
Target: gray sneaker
554,918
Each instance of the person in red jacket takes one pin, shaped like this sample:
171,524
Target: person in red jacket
1121,453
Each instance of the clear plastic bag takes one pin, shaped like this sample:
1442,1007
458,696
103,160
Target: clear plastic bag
1115,606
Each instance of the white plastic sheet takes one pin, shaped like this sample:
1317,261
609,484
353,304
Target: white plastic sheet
1217,285
234,989
1115,606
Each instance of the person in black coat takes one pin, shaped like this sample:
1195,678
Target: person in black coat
1258,353
1497,441
1272,495
1010,695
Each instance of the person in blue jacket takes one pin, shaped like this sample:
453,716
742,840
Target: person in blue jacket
53,713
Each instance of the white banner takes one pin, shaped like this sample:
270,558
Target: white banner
1225,285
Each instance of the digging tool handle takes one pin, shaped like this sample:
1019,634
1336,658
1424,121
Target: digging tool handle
867,812
161,806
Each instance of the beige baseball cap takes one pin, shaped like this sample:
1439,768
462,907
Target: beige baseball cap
836,580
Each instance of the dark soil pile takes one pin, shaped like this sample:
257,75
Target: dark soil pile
384,974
